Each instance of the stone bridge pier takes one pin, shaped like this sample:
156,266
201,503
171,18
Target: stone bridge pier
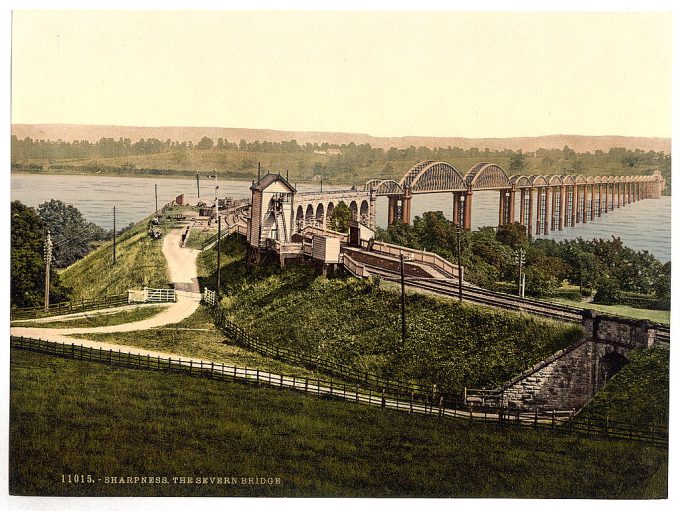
571,377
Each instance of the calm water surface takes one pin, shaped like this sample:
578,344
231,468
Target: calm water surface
644,225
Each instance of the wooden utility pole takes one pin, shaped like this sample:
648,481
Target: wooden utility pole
156,190
48,261
114,235
520,261
198,186
219,235
460,266
403,303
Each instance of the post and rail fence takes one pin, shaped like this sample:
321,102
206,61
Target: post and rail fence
145,295
553,420
73,306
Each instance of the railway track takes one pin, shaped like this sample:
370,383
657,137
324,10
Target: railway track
501,300
485,297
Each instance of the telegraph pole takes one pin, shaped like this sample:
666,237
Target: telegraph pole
198,186
156,190
520,261
403,303
114,235
219,235
48,261
460,267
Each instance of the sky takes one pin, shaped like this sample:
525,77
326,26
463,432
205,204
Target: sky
466,74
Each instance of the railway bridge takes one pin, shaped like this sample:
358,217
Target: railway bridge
544,203
540,203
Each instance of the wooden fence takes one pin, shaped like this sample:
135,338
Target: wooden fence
552,420
82,305
420,392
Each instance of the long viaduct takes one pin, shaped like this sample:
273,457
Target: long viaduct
540,203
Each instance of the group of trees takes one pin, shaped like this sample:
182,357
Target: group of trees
490,257
72,238
27,257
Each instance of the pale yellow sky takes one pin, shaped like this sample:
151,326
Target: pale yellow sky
386,74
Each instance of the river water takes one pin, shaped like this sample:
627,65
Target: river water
644,225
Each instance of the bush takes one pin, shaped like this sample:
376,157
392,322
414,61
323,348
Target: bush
608,293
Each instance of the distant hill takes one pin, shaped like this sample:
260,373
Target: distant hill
579,143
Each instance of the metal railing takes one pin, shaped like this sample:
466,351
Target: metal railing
420,256
356,269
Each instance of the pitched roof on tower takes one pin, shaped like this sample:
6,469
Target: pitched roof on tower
269,179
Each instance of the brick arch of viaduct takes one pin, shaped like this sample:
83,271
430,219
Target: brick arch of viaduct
316,208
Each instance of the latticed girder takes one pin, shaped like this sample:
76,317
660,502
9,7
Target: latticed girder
486,176
413,172
437,177
384,187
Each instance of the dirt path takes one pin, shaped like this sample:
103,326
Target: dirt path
182,266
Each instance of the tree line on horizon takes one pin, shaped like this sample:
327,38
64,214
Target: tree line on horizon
29,148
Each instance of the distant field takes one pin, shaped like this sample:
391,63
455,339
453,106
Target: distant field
70,417
301,166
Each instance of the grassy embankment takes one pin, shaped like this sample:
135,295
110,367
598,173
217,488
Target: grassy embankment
198,236
139,262
96,318
358,323
638,393
159,424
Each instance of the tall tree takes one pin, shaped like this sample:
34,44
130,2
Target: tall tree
340,217
73,235
27,260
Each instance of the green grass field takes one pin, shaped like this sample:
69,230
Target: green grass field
96,318
658,316
71,417
197,337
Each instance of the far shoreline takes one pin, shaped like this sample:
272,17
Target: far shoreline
150,175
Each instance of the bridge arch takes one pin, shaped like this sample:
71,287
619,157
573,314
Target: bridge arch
432,176
309,215
300,218
538,181
610,364
354,209
364,211
520,181
486,176
319,215
384,187
555,180
329,212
